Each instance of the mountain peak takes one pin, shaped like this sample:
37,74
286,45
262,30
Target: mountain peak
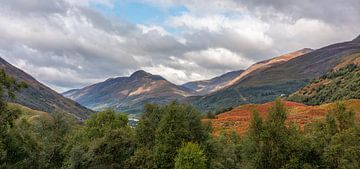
140,74
306,50
357,39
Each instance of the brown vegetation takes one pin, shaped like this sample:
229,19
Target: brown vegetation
239,118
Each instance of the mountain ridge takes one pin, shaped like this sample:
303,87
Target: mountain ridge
275,81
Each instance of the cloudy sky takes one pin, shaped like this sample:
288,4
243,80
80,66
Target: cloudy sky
73,43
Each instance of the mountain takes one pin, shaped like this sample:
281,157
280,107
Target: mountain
40,97
340,84
263,65
228,79
277,77
208,86
129,94
239,118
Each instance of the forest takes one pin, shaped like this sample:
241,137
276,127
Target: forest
172,136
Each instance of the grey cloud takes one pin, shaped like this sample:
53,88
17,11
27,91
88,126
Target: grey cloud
229,39
80,44
36,6
331,11
70,46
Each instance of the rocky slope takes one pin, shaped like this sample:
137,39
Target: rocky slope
40,97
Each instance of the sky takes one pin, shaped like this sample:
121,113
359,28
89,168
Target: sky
70,44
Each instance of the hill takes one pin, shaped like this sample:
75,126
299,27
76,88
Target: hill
40,97
340,84
273,80
30,114
239,118
203,87
129,94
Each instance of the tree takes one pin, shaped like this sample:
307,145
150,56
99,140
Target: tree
180,123
106,141
345,119
100,123
111,151
275,138
228,151
190,156
10,152
146,127
53,137
252,145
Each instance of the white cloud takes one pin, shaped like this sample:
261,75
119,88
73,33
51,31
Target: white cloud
219,58
172,74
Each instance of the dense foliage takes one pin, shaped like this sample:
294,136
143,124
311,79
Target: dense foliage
336,85
174,136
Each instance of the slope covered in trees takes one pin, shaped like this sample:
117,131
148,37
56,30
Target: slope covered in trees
339,84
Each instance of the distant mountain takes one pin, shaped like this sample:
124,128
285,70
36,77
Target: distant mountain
40,97
277,77
340,84
203,87
129,94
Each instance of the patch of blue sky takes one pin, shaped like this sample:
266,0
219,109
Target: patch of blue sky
142,13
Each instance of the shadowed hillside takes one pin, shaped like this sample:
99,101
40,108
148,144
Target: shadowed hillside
40,97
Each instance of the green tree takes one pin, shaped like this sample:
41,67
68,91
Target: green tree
146,128
179,124
11,152
252,144
343,150
106,141
228,151
275,136
52,135
190,156
345,119
101,123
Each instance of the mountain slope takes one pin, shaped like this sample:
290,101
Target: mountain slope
207,86
39,97
129,94
263,65
283,78
339,84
